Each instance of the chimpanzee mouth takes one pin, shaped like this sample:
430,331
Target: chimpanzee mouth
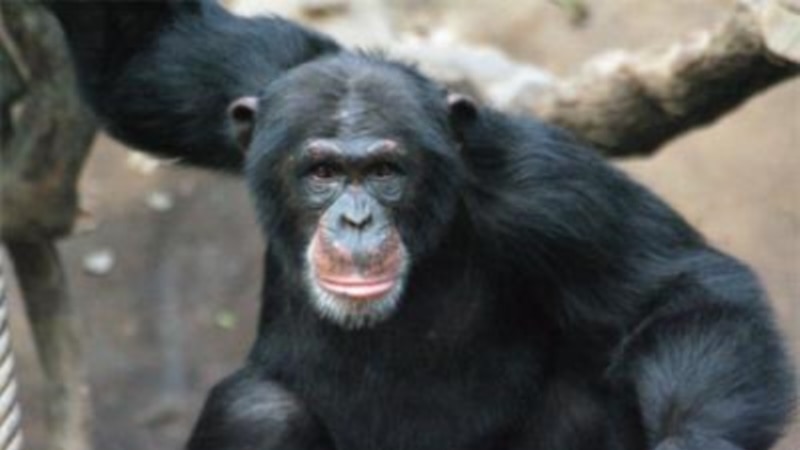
358,288
356,295
356,302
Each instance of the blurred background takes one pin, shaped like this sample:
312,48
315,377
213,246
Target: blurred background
167,270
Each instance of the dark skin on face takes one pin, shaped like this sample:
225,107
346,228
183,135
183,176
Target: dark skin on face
355,253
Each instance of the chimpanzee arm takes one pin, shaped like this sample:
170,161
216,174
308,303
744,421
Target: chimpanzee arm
247,412
707,365
160,74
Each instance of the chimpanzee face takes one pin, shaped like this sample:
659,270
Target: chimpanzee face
354,171
356,260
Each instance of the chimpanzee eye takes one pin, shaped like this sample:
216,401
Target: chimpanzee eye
324,171
385,170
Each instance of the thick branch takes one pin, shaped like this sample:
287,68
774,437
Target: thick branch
42,160
46,137
631,104
11,89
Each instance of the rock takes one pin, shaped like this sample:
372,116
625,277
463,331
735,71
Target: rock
226,320
142,163
160,201
99,262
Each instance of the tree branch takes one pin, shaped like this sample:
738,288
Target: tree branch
627,104
631,103
41,162
46,136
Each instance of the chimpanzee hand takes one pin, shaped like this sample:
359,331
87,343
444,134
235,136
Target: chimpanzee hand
247,412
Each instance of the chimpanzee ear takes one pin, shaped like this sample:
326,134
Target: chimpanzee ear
463,110
242,113
462,107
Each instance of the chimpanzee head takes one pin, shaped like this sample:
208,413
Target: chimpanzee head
356,174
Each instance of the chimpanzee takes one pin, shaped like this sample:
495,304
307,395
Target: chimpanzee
440,276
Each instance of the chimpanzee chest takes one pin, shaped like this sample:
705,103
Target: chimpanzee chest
444,401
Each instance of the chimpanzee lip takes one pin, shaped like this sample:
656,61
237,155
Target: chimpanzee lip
357,287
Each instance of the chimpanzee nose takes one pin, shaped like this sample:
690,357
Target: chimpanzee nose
357,219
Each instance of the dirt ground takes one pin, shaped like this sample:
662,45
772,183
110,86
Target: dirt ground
176,311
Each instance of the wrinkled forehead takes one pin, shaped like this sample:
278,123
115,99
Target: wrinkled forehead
352,98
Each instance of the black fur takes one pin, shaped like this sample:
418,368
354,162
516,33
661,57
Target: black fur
552,303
